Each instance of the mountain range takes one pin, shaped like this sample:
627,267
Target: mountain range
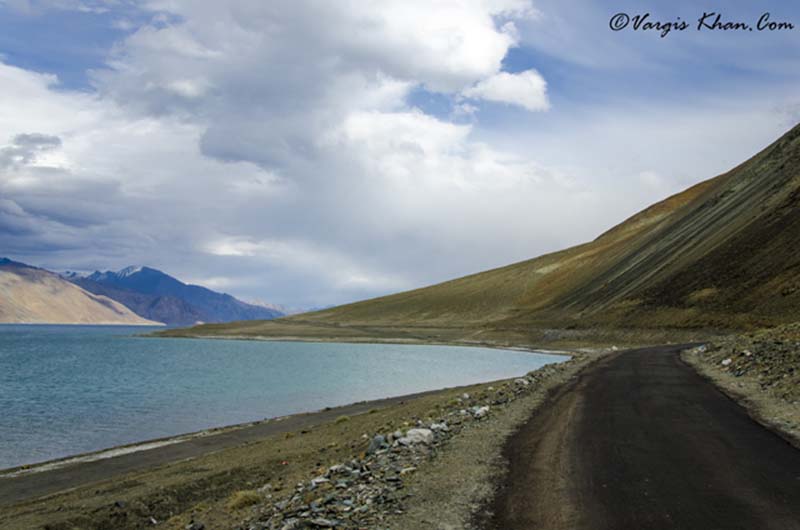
158,296
720,255
133,295
35,296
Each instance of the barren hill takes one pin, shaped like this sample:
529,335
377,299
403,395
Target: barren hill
719,255
35,296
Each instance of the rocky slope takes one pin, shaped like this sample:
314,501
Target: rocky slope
760,369
720,255
158,296
30,295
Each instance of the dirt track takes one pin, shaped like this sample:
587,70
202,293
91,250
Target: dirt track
640,441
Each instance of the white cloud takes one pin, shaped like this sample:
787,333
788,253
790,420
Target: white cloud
270,148
340,271
527,89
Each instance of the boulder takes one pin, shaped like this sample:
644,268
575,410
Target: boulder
417,436
378,442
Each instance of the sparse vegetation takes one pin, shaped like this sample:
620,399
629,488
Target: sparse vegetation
243,498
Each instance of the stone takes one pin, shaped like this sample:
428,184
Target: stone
376,443
319,480
521,381
480,412
726,362
415,436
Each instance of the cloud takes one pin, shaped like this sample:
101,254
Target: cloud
27,149
340,270
280,149
527,89
37,7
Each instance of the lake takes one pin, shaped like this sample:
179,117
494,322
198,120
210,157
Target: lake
72,389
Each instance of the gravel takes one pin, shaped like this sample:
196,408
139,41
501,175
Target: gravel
402,471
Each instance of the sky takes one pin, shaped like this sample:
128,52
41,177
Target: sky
311,153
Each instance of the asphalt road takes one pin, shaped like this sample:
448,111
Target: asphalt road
640,441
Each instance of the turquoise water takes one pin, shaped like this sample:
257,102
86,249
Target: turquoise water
72,389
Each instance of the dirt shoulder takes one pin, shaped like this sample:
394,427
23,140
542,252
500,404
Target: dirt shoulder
255,480
761,371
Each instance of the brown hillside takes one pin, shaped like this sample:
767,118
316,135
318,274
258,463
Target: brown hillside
719,255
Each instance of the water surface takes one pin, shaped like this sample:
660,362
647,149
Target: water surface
73,389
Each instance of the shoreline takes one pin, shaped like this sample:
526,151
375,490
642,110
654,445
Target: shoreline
195,481
376,340
155,443
146,454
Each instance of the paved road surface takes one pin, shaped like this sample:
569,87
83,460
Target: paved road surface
640,441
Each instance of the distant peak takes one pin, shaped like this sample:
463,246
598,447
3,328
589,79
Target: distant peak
128,271
73,275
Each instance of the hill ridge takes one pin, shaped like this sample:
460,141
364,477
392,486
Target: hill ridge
717,255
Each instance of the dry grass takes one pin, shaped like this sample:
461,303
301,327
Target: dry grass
242,499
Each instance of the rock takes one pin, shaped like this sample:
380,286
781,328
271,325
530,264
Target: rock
323,523
480,412
319,480
195,526
416,436
376,443
726,362
521,382
439,427
464,396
